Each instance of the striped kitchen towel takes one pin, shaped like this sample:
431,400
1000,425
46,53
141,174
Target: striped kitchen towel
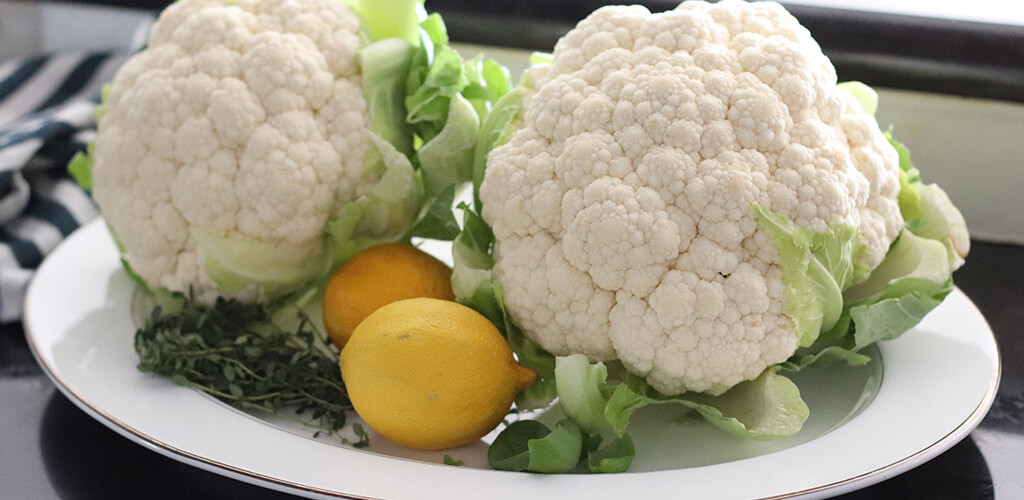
46,116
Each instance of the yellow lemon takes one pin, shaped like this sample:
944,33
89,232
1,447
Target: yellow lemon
431,374
378,276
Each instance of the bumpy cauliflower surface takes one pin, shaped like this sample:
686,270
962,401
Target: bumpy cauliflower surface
622,207
242,120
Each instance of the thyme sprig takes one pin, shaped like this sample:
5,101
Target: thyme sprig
246,355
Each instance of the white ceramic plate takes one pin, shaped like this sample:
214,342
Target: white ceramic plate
867,424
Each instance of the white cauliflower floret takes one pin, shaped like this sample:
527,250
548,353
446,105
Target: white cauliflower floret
622,208
241,120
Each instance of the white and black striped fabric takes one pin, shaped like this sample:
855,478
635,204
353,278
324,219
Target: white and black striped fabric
46,115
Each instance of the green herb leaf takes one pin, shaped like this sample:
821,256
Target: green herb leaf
510,450
437,222
234,352
449,460
80,167
364,438
616,456
559,451
528,445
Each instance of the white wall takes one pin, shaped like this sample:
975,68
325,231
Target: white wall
19,29
28,28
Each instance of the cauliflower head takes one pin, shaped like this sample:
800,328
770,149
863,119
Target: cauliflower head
623,205
240,130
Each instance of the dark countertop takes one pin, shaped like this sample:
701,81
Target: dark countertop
51,449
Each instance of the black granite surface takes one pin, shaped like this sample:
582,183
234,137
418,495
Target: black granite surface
49,449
